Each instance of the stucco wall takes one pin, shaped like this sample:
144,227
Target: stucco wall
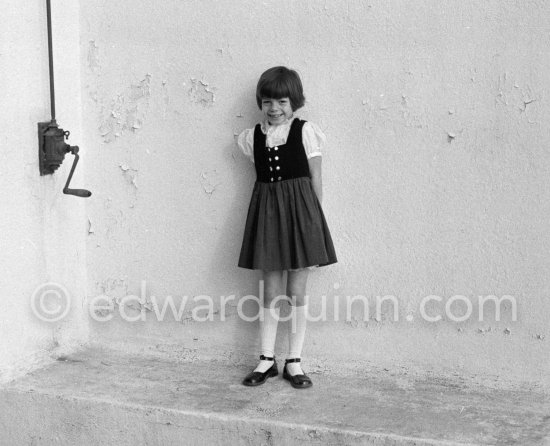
436,173
43,231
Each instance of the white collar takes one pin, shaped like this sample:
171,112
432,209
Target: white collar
268,128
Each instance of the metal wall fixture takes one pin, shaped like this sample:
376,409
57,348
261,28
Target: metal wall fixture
51,138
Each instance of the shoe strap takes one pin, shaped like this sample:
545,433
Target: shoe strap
266,358
293,360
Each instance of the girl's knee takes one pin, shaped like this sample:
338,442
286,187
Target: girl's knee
296,287
297,282
298,300
272,300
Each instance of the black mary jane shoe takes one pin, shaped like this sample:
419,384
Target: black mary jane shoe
258,378
296,381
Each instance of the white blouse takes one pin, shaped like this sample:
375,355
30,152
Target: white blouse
313,138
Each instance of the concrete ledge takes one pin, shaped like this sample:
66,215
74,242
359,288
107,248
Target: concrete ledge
106,397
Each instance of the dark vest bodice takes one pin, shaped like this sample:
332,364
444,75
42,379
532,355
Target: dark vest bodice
282,162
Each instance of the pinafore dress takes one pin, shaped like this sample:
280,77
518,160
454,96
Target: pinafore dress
285,225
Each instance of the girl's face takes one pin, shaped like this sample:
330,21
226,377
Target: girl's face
277,111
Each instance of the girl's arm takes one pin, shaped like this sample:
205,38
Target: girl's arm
316,177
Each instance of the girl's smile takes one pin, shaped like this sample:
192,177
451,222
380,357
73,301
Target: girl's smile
277,111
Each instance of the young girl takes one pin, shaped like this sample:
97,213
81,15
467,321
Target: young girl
285,227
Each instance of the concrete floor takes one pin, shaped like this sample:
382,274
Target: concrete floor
105,397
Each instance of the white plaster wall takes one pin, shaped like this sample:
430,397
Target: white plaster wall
436,173
42,230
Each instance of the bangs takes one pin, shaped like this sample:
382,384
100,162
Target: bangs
275,89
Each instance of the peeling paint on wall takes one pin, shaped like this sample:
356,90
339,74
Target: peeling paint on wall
93,56
90,227
113,220
510,93
130,174
112,288
165,98
142,90
201,93
526,103
115,293
209,181
127,111
93,96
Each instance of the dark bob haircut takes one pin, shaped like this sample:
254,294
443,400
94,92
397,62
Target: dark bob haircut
281,82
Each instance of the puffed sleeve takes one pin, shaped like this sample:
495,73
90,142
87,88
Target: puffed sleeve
313,139
246,143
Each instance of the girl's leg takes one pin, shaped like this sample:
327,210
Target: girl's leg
273,287
296,291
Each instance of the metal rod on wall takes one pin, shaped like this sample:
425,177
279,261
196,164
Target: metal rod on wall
50,53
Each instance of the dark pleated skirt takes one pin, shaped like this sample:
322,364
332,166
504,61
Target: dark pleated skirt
285,228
